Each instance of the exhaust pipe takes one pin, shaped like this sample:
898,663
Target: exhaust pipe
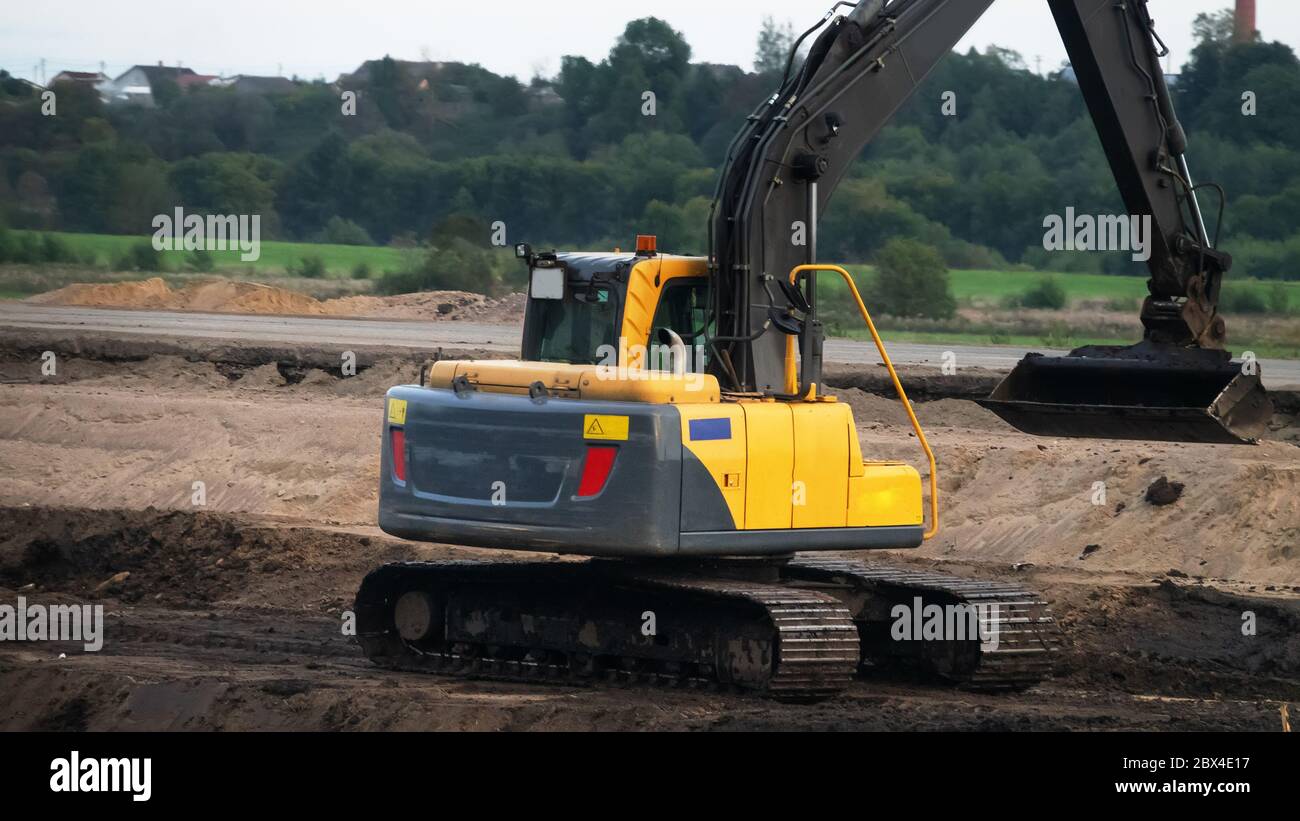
1146,392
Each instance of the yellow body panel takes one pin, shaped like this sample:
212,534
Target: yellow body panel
725,459
821,463
645,285
888,493
770,450
639,312
798,465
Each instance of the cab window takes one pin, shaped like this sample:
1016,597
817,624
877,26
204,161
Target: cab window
683,308
575,329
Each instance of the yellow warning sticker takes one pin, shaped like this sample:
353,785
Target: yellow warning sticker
605,428
397,411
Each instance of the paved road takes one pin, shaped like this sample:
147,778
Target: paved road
425,335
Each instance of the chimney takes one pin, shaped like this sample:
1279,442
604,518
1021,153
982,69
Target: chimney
1245,30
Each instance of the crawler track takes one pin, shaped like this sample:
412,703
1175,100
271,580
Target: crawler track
591,622
794,631
1027,636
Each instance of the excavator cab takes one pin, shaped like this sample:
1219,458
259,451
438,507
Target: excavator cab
574,307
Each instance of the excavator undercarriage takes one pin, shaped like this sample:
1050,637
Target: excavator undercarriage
793,629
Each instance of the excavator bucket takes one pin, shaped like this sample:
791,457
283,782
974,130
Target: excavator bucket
1145,392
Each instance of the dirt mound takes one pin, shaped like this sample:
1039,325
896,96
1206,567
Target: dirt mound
226,296
193,559
217,295
453,305
1064,503
231,296
872,411
150,293
174,558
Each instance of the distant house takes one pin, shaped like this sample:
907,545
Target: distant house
249,84
189,81
421,71
137,84
88,78
15,90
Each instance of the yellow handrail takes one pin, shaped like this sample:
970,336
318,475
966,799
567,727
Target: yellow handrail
792,379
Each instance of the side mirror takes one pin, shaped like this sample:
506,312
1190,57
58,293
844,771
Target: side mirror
523,250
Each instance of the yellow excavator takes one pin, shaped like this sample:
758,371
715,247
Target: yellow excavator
667,426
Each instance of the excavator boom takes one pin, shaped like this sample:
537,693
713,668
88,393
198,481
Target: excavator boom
1179,384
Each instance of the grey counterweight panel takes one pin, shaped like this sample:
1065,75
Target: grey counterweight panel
503,471
703,506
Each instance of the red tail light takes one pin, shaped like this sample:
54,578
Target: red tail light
595,470
399,453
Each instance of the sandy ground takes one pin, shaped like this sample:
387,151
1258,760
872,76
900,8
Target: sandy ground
229,617
139,434
219,295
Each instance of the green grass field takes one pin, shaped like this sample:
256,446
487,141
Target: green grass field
990,288
340,260
971,287
1241,341
276,257
994,286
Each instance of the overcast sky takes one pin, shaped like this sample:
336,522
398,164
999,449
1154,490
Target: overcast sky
324,38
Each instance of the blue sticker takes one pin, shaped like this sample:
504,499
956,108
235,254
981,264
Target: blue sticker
710,430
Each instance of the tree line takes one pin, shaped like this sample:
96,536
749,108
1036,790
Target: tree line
442,152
